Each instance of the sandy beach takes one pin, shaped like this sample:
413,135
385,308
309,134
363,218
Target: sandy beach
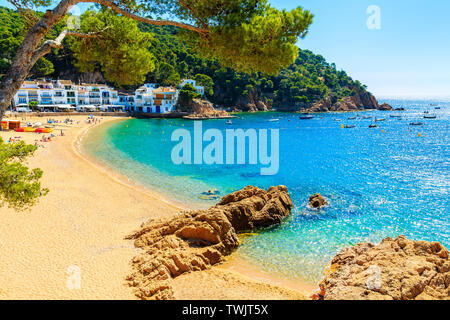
71,244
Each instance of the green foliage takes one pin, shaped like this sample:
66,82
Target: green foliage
264,42
207,82
167,74
19,186
33,104
42,68
187,94
12,29
120,52
167,57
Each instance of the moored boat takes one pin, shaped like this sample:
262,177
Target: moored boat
349,126
417,123
431,116
307,117
373,125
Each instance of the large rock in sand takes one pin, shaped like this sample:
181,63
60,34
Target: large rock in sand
196,240
398,269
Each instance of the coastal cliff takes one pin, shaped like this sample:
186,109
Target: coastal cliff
197,240
396,269
359,101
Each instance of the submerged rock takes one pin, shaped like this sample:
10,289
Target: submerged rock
196,240
396,269
317,201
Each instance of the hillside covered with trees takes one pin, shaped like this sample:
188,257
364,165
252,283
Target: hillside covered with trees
310,81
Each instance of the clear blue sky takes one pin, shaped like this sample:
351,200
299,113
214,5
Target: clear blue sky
408,57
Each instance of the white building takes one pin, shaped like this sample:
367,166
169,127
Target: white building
150,98
200,89
63,94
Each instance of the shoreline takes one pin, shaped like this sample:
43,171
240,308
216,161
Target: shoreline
233,263
114,174
81,225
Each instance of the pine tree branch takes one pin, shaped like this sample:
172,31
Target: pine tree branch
110,4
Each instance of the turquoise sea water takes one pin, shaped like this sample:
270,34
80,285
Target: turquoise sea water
379,182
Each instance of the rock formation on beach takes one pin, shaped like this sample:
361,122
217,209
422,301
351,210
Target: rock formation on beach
398,269
196,240
317,201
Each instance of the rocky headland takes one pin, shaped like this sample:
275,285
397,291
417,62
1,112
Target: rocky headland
201,109
197,240
361,100
395,269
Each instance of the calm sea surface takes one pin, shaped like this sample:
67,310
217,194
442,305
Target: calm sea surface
385,181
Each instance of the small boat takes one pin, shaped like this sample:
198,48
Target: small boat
366,117
395,116
380,119
416,123
229,122
351,118
437,108
374,125
431,116
306,117
273,120
349,126
337,119
426,112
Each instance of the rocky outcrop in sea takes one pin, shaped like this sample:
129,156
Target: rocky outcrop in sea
317,201
395,269
197,240
201,109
